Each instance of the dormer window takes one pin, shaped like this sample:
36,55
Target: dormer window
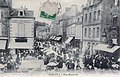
21,13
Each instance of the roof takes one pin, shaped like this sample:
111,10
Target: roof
37,23
3,3
96,2
27,13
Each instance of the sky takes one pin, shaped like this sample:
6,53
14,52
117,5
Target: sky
36,4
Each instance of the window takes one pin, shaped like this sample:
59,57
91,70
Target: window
98,14
85,32
0,14
115,20
90,15
93,32
78,20
21,13
96,43
21,30
98,30
89,32
91,2
93,44
116,2
94,15
85,17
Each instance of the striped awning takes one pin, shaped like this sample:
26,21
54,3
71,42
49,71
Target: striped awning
69,40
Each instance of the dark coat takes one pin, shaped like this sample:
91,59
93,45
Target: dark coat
72,65
60,65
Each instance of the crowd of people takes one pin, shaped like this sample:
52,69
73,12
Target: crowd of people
100,62
62,57
65,58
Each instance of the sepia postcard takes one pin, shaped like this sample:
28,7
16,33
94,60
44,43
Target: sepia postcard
59,38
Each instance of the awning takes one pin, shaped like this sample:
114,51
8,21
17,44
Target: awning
68,40
3,44
58,38
104,47
15,45
53,37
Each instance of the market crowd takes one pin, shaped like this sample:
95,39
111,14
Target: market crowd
58,56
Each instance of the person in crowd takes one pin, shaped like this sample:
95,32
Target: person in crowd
68,64
97,62
72,65
110,64
90,63
60,65
18,60
46,61
85,61
104,63
78,65
9,65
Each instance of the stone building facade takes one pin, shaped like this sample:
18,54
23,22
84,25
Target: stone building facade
21,35
96,19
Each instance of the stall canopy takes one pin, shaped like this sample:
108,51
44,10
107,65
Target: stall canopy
69,40
3,44
104,47
50,51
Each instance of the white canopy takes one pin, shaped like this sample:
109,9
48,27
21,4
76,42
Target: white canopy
50,51
57,38
68,40
2,66
104,47
52,64
27,45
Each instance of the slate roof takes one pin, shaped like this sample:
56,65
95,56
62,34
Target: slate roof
27,13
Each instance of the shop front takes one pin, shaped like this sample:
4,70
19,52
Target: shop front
3,45
107,51
20,46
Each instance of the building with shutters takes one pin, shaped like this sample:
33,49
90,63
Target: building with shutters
21,35
74,26
96,18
